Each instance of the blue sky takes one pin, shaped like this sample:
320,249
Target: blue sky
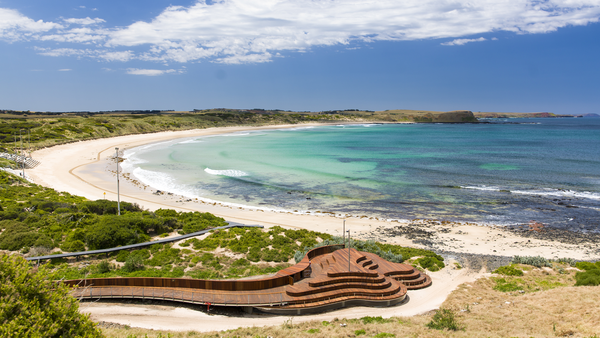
489,55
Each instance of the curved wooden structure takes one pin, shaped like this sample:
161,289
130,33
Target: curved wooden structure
327,277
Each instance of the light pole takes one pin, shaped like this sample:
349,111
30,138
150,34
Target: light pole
348,249
22,156
344,233
118,192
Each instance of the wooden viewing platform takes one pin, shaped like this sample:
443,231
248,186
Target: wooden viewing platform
321,281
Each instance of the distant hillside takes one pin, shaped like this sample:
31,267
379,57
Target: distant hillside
420,116
484,115
42,129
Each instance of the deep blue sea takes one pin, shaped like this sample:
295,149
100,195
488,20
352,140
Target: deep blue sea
505,172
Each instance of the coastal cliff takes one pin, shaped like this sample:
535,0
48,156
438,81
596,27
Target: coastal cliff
458,116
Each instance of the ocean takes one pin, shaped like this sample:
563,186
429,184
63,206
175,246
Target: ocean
504,172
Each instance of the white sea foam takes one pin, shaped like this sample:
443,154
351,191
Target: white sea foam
560,193
228,172
131,160
542,192
296,128
190,141
482,187
240,133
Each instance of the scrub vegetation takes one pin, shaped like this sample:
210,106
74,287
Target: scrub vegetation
41,219
32,305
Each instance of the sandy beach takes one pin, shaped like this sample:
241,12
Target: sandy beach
88,169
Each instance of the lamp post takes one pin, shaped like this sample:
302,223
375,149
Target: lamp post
344,233
118,192
22,156
348,249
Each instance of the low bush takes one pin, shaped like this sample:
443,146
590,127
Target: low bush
430,263
504,285
35,306
377,320
122,256
133,263
103,267
444,319
509,270
588,278
587,265
537,261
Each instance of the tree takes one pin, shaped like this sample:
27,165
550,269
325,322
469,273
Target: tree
33,305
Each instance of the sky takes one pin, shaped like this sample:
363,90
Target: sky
301,55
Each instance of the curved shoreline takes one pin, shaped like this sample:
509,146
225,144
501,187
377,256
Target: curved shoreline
84,169
87,169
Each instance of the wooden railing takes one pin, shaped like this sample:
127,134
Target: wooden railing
283,277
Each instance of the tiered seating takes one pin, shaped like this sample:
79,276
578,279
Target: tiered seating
322,280
351,274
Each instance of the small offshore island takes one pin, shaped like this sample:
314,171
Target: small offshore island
467,278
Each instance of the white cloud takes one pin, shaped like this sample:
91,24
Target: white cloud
117,56
84,21
150,72
65,70
14,26
460,42
254,31
240,31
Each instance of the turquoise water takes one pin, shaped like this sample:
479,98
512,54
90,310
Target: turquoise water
509,172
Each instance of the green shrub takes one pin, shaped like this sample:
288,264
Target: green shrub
378,320
384,335
587,265
164,257
430,263
103,267
503,285
359,332
133,263
241,262
166,213
254,255
73,246
16,235
509,270
444,319
113,231
122,256
565,260
35,306
313,331
537,261
588,278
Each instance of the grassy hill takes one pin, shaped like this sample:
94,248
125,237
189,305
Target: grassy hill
38,129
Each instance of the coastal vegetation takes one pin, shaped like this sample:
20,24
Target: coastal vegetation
32,305
38,130
32,216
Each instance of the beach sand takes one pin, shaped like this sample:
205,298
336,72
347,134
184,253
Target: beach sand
88,169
